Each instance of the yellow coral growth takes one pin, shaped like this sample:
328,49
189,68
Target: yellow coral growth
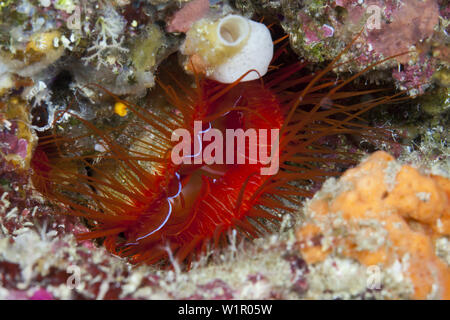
120,108
43,42
381,212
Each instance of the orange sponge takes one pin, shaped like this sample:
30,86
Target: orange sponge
381,212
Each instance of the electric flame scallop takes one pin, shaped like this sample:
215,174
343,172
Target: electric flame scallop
143,204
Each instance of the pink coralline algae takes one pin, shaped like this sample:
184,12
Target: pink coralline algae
42,294
215,290
411,23
185,17
11,144
404,27
413,76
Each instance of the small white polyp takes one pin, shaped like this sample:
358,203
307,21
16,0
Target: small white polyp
256,53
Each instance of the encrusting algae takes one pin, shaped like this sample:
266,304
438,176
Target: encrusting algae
379,213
